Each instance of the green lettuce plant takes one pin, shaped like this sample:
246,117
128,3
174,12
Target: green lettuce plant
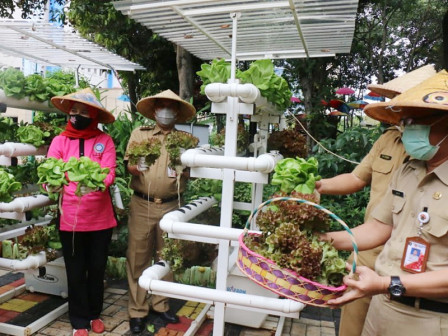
149,149
8,185
87,173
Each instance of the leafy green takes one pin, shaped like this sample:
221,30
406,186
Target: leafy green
51,172
149,149
13,82
177,141
218,71
289,239
8,185
296,174
260,73
86,172
8,129
273,87
33,135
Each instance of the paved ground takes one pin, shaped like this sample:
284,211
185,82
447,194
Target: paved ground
28,307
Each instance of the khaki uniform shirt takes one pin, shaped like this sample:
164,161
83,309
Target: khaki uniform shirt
386,155
155,181
411,190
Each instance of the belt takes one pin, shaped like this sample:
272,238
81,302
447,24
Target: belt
154,199
421,303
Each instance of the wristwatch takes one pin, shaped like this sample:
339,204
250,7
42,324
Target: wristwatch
396,288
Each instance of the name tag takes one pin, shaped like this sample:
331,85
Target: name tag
385,157
397,193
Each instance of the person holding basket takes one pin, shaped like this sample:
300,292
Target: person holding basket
411,215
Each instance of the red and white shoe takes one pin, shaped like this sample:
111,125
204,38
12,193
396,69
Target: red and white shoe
80,332
97,326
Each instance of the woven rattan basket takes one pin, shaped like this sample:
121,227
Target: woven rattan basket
283,281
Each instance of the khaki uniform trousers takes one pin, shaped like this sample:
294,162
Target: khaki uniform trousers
354,313
389,318
145,240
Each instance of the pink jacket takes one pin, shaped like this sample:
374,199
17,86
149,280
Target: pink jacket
93,211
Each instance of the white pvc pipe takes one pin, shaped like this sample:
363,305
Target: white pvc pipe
209,295
265,163
12,149
200,230
26,104
190,210
31,262
217,92
22,204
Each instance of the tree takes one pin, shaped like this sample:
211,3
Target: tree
390,36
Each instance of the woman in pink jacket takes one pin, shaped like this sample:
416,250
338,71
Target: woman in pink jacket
86,222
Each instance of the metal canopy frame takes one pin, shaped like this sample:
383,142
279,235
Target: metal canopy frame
266,29
46,44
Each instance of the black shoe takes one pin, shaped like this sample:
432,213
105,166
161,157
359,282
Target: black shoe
137,325
167,316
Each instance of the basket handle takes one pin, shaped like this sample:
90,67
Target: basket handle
328,212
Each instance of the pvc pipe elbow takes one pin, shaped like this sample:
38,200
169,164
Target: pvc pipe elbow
22,204
156,272
217,92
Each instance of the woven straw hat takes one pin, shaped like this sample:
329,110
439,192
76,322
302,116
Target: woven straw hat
402,83
423,100
146,106
86,97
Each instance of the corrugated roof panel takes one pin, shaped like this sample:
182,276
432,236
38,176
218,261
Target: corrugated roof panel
44,43
266,28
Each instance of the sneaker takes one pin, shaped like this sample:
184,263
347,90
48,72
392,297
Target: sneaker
80,332
97,326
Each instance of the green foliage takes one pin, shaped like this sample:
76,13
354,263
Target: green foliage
8,185
288,239
273,87
296,174
8,130
149,149
353,145
32,135
289,143
87,173
242,139
26,172
13,82
51,172
177,141
36,87
260,73
218,71
350,208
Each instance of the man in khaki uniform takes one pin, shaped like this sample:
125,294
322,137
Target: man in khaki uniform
155,194
408,301
386,155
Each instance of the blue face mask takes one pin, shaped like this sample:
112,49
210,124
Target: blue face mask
415,139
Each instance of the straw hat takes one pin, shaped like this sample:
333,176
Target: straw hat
146,106
404,82
423,100
86,97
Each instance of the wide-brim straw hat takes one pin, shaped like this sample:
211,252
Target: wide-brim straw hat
423,100
404,82
146,106
86,97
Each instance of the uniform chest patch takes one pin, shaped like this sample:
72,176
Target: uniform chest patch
98,148
386,157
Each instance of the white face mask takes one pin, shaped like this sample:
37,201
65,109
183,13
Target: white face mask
165,116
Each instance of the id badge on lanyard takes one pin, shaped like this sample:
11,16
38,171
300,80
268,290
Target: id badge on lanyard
416,249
